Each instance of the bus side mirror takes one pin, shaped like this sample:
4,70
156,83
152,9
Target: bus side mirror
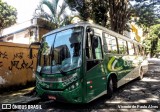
30,48
90,31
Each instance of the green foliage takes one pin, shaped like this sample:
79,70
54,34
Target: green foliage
155,31
147,43
82,6
57,15
8,15
153,43
146,11
119,12
98,10
154,35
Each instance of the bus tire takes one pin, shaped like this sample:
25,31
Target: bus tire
110,87
141,74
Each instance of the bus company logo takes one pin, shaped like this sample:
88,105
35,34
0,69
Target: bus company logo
112,65
6,106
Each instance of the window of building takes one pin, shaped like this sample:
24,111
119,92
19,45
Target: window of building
10,38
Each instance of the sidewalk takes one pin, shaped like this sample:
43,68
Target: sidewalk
17,97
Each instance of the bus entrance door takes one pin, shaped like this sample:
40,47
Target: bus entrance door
95,76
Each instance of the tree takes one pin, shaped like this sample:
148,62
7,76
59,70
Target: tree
57,15
155,35
8,15
145,10
95,10
152,43
119,12
148,19
98,10
82,6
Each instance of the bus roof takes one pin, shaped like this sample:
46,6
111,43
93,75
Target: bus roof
85,24
67,27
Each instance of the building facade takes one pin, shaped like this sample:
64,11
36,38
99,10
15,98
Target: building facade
26,32
136,32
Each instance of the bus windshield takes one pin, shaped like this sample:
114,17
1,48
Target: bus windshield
61,51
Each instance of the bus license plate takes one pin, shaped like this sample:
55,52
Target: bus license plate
52,97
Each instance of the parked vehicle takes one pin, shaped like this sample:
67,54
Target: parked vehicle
81,62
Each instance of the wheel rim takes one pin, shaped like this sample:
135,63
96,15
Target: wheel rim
111,85
141,73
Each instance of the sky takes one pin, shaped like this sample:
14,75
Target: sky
25,8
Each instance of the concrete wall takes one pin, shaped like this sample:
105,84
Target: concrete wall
15,66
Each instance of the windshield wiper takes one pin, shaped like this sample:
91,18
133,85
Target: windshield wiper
61,71
52,58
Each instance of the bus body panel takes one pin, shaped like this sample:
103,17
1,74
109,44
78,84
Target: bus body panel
96,81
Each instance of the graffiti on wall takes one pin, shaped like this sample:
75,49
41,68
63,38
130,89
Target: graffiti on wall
3,55
15,65
18,65
19,60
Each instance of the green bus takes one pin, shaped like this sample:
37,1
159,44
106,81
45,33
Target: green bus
81,62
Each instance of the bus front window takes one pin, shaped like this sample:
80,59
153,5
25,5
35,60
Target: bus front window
61,51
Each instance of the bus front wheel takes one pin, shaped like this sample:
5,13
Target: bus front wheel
110,87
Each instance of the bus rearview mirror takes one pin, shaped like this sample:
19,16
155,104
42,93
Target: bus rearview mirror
30,48
30,53
90,31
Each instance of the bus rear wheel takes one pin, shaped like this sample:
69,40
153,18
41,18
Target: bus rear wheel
141,74
110,87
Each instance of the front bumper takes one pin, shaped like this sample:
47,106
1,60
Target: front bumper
70,96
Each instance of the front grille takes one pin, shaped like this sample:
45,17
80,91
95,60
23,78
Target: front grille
53,79
53,89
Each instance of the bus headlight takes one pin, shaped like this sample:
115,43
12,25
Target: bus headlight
73,78
75,85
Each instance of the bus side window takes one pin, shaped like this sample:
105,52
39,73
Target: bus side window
140,50
131,49
143,51
137,49
94,54
110,44
122,46
96,47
